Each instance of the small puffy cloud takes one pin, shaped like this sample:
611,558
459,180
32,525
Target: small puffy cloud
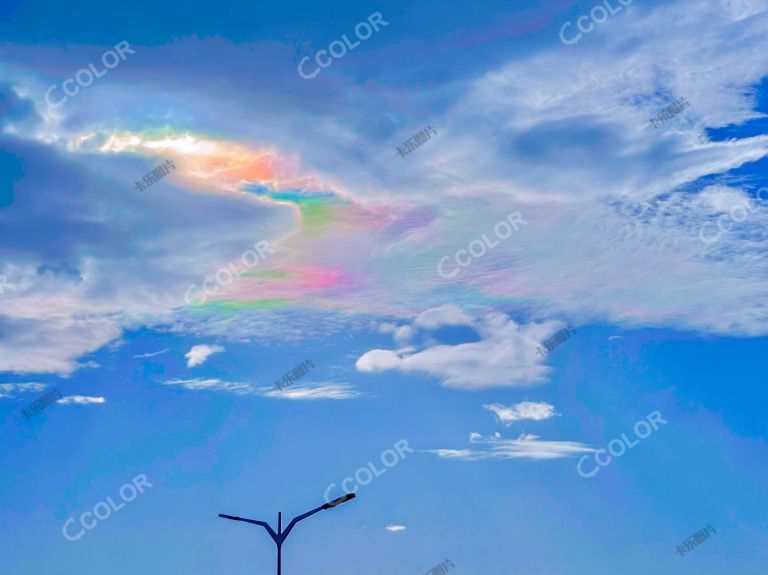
395,528
525,447
200,353
13,390
443,315
403,334
378,360
534,410
315,391
386,327
81,400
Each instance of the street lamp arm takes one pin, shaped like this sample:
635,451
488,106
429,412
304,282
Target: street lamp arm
330,505
298,518
264,524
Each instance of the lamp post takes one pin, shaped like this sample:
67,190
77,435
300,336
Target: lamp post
281,535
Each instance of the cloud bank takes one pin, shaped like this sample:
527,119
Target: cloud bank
614,207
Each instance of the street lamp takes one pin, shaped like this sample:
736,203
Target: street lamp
281,535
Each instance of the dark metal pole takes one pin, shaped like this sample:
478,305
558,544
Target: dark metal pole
280,544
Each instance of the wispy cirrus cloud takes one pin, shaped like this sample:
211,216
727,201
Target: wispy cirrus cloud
525,447
81,400
13,390
151,354
315,391
214,384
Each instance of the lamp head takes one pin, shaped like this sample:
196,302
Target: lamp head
339,500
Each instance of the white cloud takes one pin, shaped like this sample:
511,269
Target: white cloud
80,400
403,334
200,353
386,327
718,199
534,410
12,390
525,447
378,360
448,314
395,528
506,355
315,391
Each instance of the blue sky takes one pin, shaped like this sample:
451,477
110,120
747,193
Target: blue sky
650,241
